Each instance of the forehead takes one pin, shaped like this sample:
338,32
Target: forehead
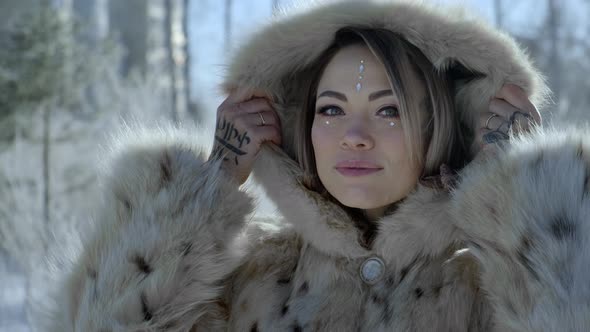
343,71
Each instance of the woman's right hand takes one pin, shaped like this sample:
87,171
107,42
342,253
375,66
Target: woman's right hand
245,120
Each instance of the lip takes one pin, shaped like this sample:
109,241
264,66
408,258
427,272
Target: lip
357,167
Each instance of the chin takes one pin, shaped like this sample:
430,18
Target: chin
354,202
362,198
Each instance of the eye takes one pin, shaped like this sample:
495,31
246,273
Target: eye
330,110
389,112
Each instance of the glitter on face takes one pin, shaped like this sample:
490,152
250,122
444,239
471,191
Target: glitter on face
360,77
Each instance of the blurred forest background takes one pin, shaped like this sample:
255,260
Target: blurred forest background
72,71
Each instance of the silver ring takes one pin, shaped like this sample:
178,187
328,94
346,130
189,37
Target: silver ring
261,119
488,121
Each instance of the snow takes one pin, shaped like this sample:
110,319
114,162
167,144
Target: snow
13,282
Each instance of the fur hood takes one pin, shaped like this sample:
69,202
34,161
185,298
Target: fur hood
479,58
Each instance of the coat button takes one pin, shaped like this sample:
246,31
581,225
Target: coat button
372,270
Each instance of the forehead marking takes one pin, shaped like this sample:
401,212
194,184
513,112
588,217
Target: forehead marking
360,76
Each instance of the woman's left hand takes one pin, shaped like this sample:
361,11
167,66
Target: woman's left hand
509,110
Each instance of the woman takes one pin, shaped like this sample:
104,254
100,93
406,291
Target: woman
347,113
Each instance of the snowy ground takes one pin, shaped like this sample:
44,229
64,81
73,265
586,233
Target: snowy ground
12,296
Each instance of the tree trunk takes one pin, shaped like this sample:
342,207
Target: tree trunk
174,42
227,24
168,31
11,9
46,164
129,20
553,26
95,15
187,55
498,13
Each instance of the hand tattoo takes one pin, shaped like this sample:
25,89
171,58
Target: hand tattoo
494,137
219,153
229,133
497,135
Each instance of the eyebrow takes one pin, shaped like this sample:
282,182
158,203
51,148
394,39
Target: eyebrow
342,97
379,94
333,94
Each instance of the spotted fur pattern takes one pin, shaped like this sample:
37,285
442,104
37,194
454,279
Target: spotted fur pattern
205,266
526,212
160,244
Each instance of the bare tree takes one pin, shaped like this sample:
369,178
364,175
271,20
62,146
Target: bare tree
175,43
10,9
227,24
46,163
65,9
553,23
187,56
154,36
129,21
499,15
94,15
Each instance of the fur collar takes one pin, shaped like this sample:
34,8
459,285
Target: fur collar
420,225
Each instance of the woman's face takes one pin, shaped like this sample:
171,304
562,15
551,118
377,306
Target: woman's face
357,135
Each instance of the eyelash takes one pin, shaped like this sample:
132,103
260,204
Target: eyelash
324,110
395,109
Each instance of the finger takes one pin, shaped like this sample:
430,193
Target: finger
487,136
493,121
243,94
234,98
253,106
503,108
274,115
259,93
225,104
537,117
239,95
517,97
250,120
271,118
231,111
270,134
513,114
234,111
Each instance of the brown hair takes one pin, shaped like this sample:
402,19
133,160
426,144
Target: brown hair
433,136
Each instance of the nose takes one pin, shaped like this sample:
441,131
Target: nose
357,137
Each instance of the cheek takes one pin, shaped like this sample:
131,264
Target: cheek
322,139
395,151
393,143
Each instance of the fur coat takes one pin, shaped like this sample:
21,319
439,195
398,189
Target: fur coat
174,245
